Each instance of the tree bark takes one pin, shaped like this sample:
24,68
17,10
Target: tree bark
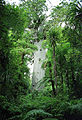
74,83
54,68
61,75
52,81
67,80
61,81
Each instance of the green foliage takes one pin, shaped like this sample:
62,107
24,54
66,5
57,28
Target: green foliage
20,27
74,111
50,119
15,44
34,10
36,114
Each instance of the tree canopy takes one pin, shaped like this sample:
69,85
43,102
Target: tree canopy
20,27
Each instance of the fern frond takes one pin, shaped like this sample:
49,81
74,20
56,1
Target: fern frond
37,114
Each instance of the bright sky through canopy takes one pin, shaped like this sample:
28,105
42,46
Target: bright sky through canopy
49,3
52,2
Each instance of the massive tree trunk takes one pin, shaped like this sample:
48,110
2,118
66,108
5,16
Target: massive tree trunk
38,72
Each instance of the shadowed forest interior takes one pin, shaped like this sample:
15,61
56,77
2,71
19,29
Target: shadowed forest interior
40,60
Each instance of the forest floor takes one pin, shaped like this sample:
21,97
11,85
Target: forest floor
50,119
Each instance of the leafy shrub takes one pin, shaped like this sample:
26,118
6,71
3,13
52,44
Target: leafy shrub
8,109
37,114
74,112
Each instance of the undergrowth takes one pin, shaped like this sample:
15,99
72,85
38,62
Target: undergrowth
38,107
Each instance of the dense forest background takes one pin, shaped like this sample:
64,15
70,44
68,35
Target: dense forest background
20,27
